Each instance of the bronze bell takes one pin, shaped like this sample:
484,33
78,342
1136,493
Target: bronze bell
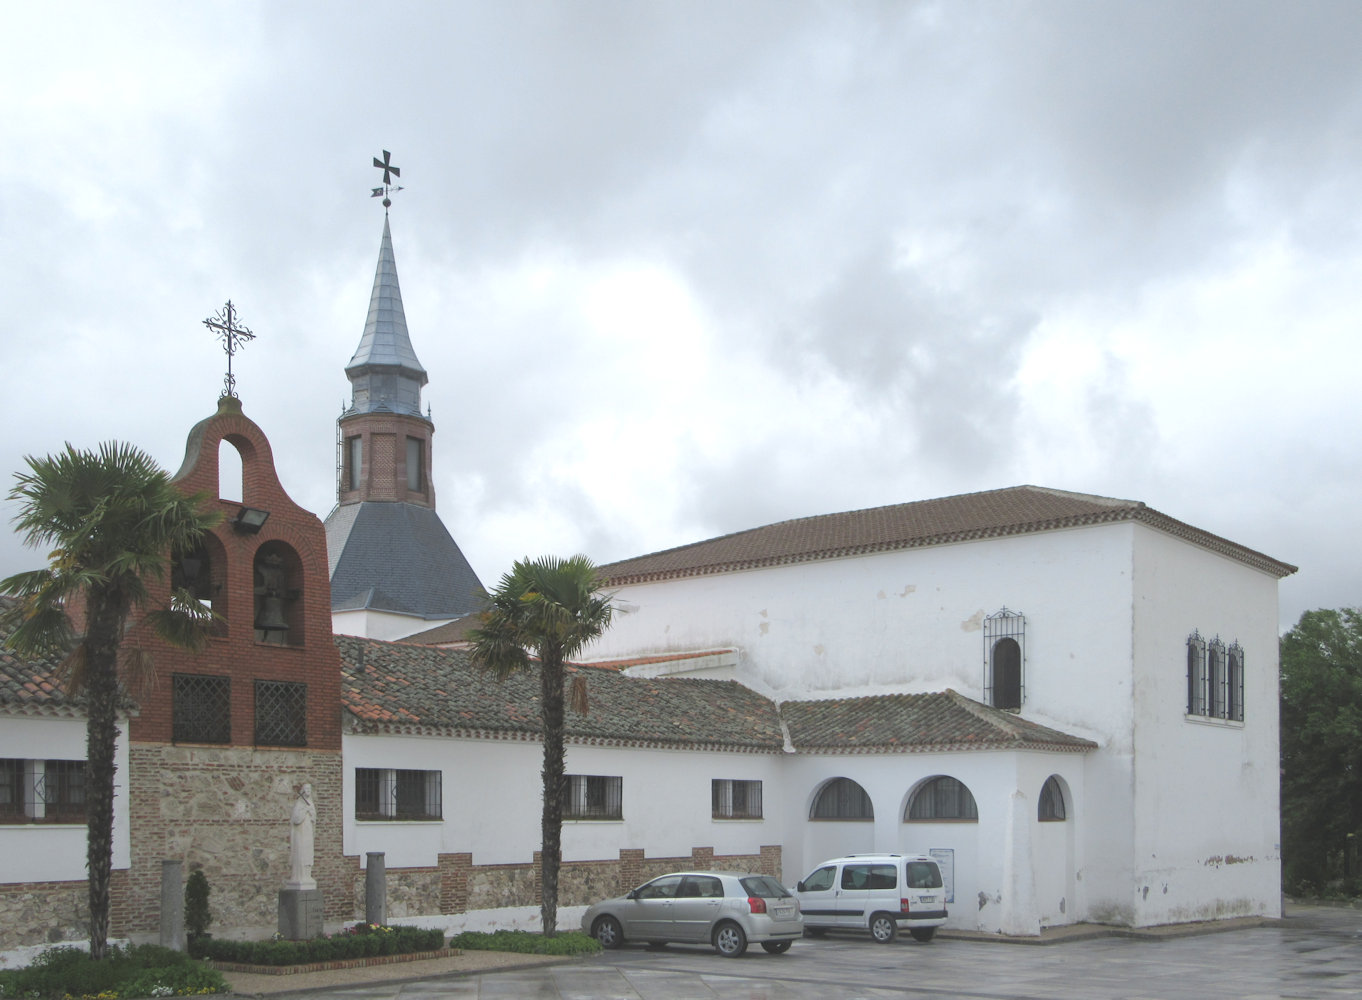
271,617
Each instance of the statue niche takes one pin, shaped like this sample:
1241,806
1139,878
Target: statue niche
278,589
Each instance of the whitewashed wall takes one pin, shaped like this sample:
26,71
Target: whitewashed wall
385,625
1187,768
47,852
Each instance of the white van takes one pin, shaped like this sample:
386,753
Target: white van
874,892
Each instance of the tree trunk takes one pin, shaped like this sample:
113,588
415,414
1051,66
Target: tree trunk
104,631
551,827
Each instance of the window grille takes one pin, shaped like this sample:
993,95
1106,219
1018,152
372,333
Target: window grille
842,798
1051,808
280,714
1235,682
942,798
386,793
202,711
591,796
734,799
1005,659
42,791
1215,678
1196,674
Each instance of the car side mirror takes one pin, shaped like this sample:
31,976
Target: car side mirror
633,894
799,887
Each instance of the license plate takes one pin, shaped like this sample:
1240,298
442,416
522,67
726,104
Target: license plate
782,911
926,899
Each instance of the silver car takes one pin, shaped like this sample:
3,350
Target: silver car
724,909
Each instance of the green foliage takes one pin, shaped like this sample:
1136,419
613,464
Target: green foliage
139,971
1321,746
196,913
352,943
527,942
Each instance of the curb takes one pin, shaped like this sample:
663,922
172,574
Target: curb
335,965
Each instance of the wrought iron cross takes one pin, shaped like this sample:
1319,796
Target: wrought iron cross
389,172
234,336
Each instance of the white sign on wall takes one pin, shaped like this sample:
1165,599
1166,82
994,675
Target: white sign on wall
945,860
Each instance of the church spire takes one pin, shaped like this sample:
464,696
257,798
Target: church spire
385,374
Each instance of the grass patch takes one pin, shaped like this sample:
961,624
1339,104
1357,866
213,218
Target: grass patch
526,942
145,970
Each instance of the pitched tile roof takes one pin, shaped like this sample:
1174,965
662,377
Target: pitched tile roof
944,720
448,633
30,685
404,687
399,687
1013,511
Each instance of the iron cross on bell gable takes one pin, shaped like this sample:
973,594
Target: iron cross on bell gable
234,336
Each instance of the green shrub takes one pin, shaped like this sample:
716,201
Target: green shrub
139,971
196,914
526,942
352,943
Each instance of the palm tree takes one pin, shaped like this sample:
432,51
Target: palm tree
114,520
549,607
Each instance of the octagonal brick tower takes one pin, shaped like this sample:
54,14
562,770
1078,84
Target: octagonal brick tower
395,568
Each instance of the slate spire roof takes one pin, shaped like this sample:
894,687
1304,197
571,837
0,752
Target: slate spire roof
1013,511
385,372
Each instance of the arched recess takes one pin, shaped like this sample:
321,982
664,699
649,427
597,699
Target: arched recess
202,573
1053,847
842,799
941,799
278,575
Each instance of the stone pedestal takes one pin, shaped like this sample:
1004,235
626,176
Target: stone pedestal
172,905
375,889
300,914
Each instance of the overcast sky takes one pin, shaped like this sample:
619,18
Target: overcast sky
681,269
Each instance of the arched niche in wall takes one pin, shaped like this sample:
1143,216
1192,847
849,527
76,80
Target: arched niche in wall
842,798
231,471
202,574
278,576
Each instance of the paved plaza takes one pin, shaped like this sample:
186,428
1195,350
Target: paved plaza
1313,952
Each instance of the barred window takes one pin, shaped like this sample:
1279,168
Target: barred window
1004,659
842,798
42,791
202,709
731,798
1196,674
1051,807
1235,682
942,798
395,794
280,714
592,796
1215,678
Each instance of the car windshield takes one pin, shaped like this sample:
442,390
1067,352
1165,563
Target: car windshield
924,875
764,887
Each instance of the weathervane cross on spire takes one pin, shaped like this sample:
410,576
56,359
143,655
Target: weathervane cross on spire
389,172
234,336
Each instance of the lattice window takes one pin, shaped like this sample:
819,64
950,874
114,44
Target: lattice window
943,798
592,796
842,798
280,714
202,711
1005,659
734,799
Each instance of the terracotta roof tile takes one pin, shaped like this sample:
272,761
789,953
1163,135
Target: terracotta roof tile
1012,511
29,684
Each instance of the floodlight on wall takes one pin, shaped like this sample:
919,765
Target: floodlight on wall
249,520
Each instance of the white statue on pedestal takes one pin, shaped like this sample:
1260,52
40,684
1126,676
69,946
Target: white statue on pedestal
302,833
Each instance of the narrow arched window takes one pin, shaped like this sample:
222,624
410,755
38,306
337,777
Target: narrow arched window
1051,807
1196,674
842,798
1215,678
1005,659
1235,682
942,798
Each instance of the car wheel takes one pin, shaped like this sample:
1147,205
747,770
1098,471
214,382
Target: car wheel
608,932
883,928
776,947
923,934
729,940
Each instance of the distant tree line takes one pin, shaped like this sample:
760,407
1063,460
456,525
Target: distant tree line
1321,747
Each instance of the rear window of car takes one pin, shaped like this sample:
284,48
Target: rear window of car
923,875
764,887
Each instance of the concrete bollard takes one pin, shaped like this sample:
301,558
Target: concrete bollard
375,889
172,905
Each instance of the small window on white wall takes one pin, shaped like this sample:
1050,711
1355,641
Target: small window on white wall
1005,659
1051,807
